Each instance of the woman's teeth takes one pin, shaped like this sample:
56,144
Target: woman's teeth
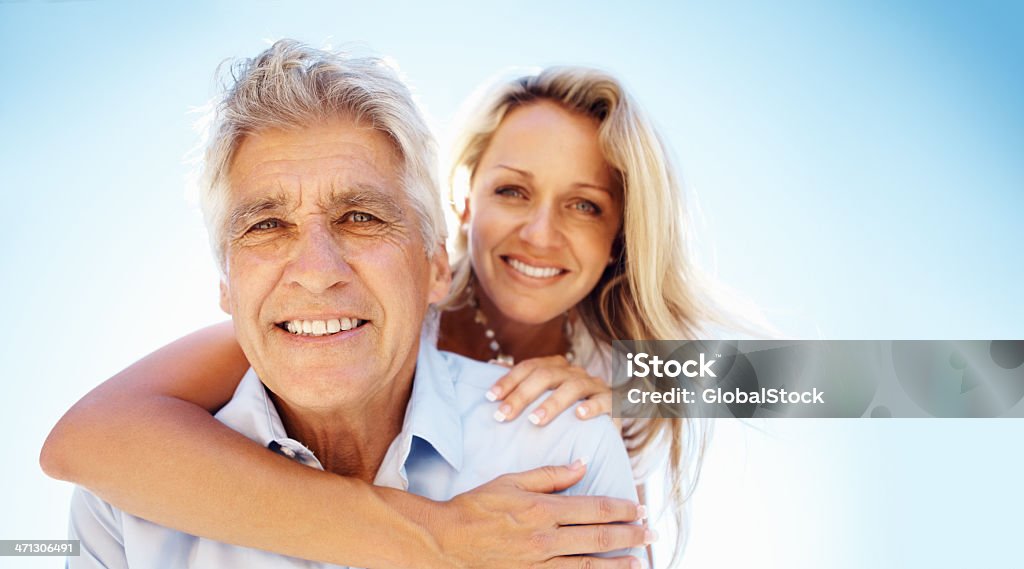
321,327
531,271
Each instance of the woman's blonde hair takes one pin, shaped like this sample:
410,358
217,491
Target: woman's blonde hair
650,290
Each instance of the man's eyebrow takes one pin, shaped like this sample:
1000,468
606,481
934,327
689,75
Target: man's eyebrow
363,196
244,212
529,175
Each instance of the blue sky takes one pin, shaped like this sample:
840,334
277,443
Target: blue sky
856,166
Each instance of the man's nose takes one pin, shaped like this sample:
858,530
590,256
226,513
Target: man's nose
318,261
542,228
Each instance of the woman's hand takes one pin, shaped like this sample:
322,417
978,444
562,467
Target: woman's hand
514,521
529,379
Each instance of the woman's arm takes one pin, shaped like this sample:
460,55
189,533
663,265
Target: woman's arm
145,442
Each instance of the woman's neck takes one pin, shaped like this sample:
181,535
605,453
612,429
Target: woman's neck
460,333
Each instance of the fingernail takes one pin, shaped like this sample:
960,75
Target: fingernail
641,512
650,536
499,416
581,411
578,464
491,395
537,416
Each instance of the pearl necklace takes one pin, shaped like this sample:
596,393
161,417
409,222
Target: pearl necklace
500,357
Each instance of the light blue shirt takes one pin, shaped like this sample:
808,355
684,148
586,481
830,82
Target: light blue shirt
449,443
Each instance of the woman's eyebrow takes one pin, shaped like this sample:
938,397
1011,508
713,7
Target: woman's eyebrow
529,175
595,187
523,173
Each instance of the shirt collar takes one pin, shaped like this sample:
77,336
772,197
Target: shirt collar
433,412
252,413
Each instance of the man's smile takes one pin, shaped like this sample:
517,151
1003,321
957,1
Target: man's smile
320,327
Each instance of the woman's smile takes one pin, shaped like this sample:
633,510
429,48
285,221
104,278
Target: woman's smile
534,270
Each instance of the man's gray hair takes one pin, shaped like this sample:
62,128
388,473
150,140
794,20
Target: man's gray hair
291,85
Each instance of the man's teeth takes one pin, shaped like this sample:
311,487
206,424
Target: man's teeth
531,271
321,327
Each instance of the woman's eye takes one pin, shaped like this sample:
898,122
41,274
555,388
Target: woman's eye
509,192
265,225
587,207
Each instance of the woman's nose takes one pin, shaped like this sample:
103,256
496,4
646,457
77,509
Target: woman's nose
541,229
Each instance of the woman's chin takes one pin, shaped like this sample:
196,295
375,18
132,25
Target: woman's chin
532,315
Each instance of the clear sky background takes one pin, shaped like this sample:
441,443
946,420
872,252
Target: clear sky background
855,167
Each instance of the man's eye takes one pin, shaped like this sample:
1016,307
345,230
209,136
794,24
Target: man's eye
361,217
587,207
509,192
265,225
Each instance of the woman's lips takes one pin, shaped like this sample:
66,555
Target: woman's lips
533,271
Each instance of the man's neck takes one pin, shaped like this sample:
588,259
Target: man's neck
351,441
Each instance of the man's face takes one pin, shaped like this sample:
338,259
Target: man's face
328,280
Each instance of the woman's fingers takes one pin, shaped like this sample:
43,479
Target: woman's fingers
514,521
539,380
565,395
577,562
602,538
527,381
518,373
595,405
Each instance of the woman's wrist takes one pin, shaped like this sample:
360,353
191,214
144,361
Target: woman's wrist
426,525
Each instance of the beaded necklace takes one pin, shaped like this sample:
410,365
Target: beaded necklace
492,341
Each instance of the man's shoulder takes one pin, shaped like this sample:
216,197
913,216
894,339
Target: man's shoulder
472,379
470,374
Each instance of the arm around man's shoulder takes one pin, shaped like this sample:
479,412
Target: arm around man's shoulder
98,526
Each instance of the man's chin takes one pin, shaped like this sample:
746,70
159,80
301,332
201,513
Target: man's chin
314,384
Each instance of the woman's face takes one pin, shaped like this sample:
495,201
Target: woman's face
544,210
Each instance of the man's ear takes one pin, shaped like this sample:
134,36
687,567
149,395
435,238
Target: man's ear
440,274
225,303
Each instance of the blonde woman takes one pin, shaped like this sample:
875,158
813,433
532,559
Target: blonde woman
572,236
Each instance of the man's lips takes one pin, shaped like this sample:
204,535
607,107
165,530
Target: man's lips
533,269
320,327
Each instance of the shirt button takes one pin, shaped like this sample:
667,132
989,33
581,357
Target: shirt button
281,450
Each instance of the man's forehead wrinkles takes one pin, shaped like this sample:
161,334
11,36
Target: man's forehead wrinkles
332,188
285,167
339,196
